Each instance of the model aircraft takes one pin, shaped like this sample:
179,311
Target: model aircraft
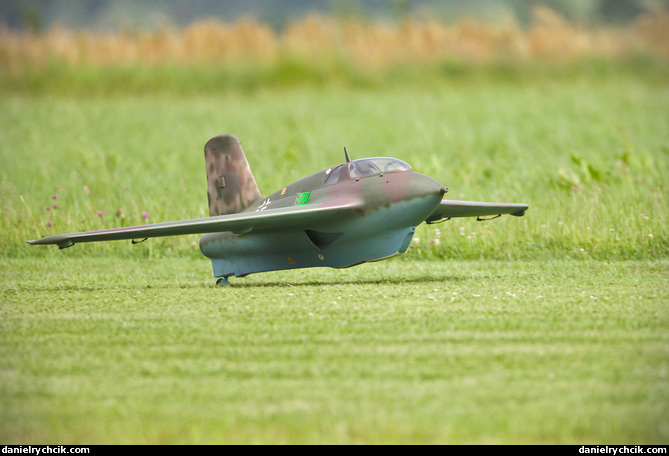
359,211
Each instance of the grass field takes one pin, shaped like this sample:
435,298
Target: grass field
110,350
550,328
585,148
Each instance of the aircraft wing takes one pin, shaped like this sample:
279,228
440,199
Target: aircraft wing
242,222
452,208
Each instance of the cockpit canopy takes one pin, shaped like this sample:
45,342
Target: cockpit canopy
366,167
373,166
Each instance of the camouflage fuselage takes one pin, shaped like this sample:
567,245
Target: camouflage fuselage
390,204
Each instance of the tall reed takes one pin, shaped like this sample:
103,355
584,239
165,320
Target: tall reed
367,44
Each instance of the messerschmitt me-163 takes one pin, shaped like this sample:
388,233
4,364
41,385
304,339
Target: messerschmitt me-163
359,211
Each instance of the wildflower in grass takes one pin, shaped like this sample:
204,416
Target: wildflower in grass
55,196
54,206
145,215
100,213
49,223
119,213
47,208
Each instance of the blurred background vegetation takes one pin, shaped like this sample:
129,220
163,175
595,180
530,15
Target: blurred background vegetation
116,46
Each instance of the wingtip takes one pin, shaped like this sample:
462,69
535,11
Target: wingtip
521,212
51,240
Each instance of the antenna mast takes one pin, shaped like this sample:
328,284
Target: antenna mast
348,159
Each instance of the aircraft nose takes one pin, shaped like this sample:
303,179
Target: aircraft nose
418,198
425,186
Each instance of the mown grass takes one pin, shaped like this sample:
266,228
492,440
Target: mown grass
112,350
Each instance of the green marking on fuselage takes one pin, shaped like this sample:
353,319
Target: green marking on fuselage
302,198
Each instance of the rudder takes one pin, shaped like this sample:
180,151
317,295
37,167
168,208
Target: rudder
231,187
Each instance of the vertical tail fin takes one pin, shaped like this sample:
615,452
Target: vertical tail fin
231,186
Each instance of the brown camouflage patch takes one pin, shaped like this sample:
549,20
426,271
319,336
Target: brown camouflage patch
231,186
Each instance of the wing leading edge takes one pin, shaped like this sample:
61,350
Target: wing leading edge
243,222
453,208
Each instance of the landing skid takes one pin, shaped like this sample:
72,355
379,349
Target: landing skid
221,282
